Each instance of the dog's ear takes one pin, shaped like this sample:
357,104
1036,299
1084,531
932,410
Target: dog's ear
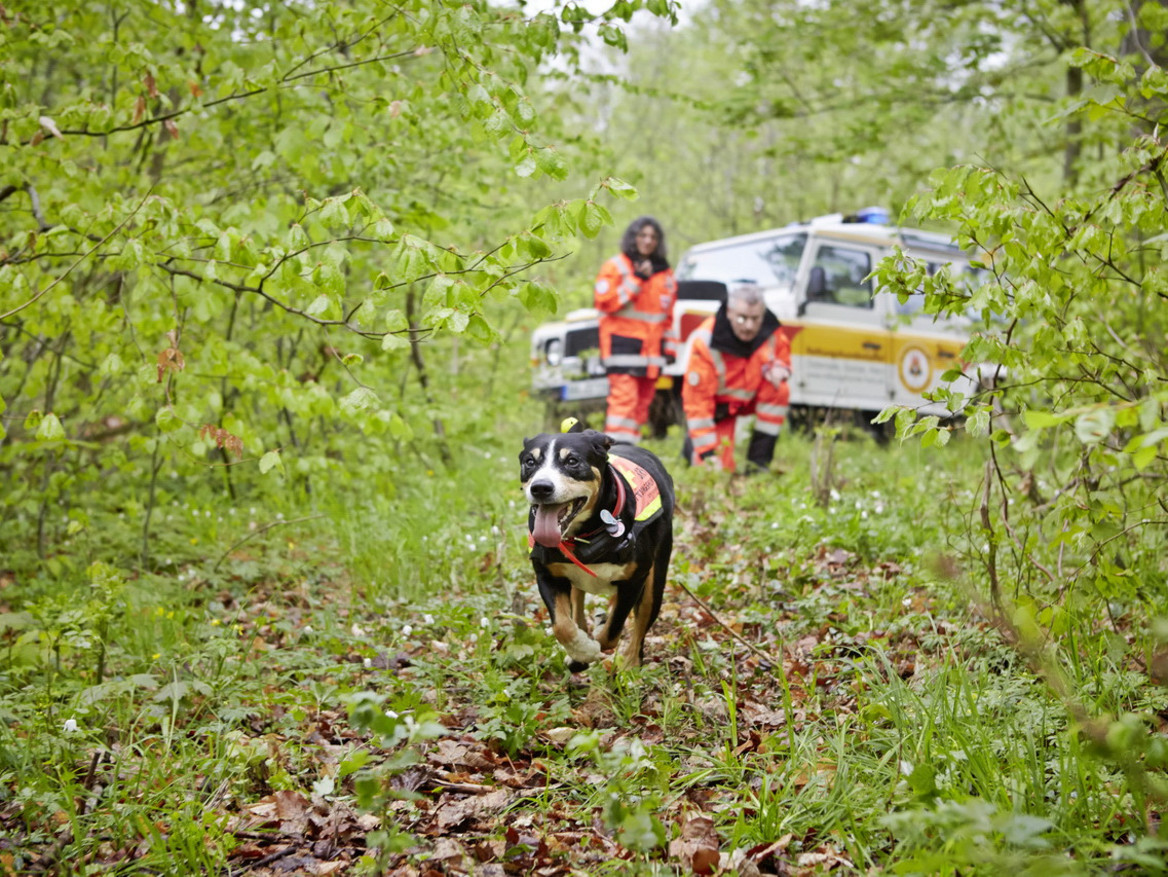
601,442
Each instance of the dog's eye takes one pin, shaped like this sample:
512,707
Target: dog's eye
571,460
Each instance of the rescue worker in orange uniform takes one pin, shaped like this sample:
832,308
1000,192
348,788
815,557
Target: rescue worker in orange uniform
634,293
739,364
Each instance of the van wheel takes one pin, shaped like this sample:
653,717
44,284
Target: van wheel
804,418
883,433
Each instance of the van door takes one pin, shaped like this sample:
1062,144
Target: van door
840,346
922,350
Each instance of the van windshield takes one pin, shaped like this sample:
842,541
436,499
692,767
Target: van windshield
765,261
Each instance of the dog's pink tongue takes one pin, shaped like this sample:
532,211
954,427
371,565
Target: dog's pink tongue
547,525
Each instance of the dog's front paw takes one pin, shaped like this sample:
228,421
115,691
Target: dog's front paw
582,648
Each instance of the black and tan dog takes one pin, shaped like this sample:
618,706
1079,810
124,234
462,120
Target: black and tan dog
601,522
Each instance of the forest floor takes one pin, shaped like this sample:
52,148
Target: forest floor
817,698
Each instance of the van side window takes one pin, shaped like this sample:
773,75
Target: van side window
844,270
767,262
915,303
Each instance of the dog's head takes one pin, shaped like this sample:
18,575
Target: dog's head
561,475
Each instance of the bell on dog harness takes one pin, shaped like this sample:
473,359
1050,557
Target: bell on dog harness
620,536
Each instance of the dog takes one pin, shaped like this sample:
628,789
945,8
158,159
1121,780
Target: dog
601,522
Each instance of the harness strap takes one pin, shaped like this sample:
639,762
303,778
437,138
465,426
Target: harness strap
617,507
572,557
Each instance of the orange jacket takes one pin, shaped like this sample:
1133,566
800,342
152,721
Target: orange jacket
719,384
636,318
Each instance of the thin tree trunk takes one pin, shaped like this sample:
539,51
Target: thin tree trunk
424,379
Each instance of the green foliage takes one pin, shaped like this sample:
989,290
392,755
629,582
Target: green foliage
1068,536
270,669
631,799
230,233
264,280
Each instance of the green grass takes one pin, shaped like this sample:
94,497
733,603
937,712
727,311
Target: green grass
381,650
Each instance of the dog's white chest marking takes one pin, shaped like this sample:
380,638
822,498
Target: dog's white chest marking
601,584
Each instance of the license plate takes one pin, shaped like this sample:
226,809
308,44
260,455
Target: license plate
594,388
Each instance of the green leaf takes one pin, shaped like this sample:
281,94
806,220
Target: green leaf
395,321
923,780
390,341
977,423
333,213
50,429
527,165
1035,419
592,220
319,306
271,460
167,420
537,298
1093,427
1144,457
551,163
352,763
360,399
621,189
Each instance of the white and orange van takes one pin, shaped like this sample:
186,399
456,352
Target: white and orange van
854,347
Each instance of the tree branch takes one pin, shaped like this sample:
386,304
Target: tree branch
85,256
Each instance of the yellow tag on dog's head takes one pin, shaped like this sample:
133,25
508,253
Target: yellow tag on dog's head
568,423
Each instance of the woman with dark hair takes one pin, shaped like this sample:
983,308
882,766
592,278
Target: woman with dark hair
634,293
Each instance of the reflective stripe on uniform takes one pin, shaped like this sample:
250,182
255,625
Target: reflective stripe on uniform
735,393
766,427
626,360
612,421
769,419
631,360
628,312
628,285
772,412
703,446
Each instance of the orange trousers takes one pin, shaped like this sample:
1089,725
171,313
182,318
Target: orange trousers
629,398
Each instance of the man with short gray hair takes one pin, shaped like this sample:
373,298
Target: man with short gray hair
739,363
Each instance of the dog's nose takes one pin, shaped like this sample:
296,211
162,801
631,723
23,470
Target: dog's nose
541,489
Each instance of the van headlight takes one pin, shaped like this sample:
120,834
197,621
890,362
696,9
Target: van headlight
553,352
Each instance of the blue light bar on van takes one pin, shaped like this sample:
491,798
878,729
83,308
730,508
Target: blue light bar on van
873,215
